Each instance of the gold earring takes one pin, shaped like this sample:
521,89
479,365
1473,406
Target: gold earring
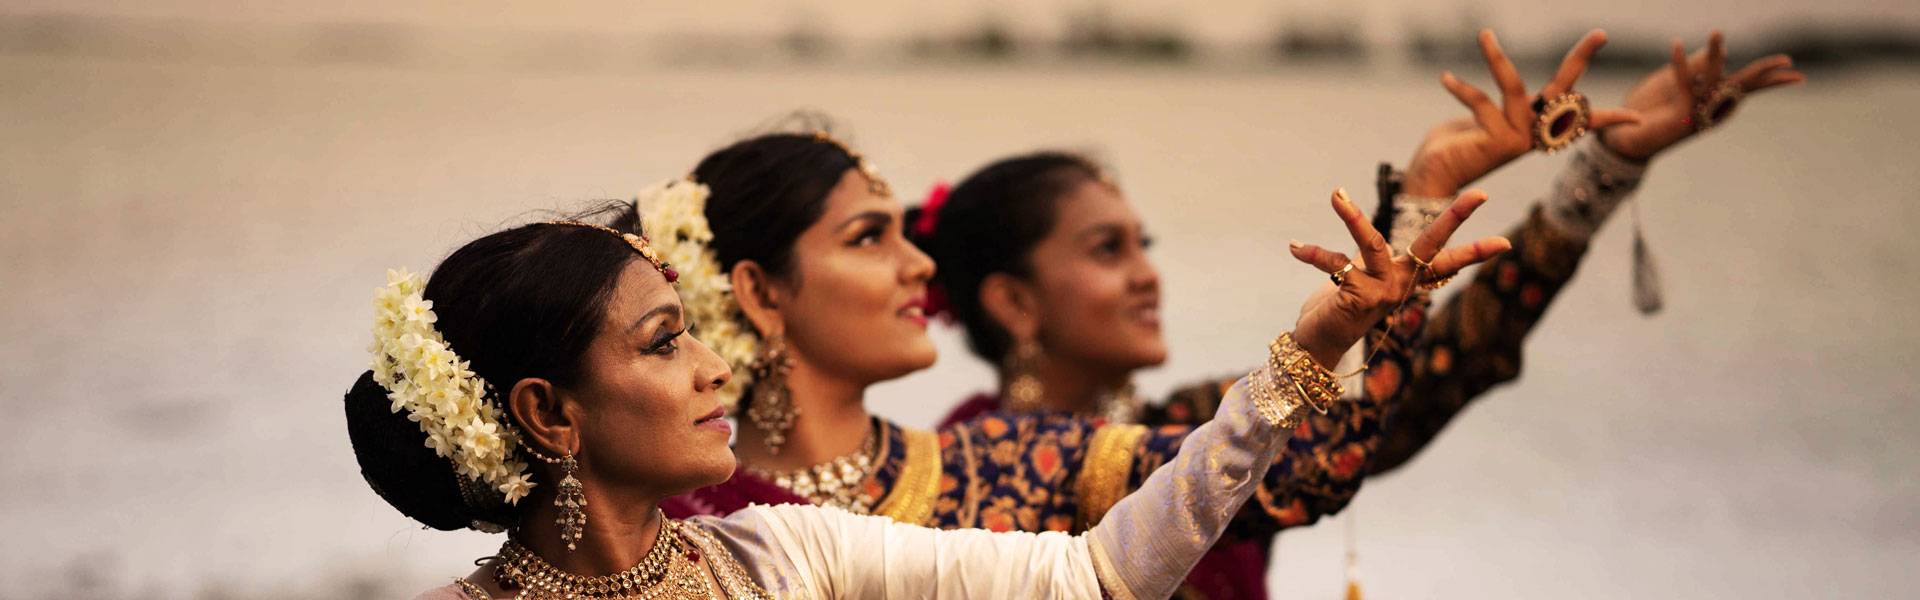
570,500
772,410
1024,389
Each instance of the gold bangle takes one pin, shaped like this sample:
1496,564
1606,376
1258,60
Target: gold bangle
1317,385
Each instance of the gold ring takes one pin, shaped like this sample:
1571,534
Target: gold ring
1340,277
1435,284
1559,121
1424,265
1717,105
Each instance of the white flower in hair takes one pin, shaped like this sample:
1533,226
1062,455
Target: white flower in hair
674,213
423,376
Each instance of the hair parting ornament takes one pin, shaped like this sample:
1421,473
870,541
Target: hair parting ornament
459,412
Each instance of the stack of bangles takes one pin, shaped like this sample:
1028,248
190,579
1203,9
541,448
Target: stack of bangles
1290,380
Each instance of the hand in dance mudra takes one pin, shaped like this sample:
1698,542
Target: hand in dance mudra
1672,99
1370,287
1462,150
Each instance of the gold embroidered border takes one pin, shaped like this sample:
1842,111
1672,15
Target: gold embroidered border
1104,473
911,500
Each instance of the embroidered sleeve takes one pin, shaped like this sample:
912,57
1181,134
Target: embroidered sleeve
1437,364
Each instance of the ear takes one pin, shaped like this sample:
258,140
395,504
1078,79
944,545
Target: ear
1013,303
550,425
760,297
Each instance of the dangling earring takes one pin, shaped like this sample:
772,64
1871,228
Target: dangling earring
1023,380
572,503
772,411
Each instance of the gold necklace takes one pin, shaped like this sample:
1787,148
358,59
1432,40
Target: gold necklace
669,570
834,483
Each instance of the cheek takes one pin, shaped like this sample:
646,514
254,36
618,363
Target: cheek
1087,302
855,299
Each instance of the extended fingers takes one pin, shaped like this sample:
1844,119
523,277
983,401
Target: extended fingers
1716,58
1513,90
1327,261
1437,234
1777,78
1603,118
1575,64
1373,246
1484,112
1453,260
1682,72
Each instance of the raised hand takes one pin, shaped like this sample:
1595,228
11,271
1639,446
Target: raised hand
1668,99
1370,288
1463,150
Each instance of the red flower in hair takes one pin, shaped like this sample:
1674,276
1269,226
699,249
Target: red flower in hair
929,220
924,226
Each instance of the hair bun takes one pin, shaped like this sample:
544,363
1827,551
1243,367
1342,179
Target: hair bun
396,462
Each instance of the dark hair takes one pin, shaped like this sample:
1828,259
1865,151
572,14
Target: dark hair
521,303
989,224
765,191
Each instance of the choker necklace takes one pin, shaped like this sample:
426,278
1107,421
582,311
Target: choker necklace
834,483
670,570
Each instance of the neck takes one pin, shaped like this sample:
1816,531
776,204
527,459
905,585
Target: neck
620,530
833,421
1077,388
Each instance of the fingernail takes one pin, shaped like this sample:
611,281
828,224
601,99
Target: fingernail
1341,193
1294,244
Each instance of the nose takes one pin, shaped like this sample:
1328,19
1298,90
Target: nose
919,267
1144,277
713,372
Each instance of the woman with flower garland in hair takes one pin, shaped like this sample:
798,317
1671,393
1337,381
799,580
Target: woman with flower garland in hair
824,296
542,383
1045,266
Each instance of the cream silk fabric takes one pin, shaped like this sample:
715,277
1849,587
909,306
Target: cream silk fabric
1142,548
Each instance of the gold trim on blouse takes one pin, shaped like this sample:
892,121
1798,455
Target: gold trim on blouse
911,500
1103,476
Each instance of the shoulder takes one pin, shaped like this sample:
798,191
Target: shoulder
971,408
458,590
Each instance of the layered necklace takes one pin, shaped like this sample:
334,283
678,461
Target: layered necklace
670,570
834,483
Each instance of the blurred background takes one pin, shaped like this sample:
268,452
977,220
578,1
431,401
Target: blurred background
201,195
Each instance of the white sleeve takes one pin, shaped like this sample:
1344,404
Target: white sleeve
1142,548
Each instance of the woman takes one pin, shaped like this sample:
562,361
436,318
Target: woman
542,383
1044,264
808,276
1423,375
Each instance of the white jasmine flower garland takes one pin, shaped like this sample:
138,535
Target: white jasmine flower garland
675,214
439,391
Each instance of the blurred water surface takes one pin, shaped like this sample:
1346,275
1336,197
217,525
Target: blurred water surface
190,250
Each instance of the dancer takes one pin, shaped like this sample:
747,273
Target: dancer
542,383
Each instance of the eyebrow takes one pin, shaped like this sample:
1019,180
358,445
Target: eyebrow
883,217
669,309
1097,229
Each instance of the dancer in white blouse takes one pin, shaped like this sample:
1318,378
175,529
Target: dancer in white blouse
542,384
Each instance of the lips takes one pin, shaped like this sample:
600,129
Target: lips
714,421
915,310
1146,313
